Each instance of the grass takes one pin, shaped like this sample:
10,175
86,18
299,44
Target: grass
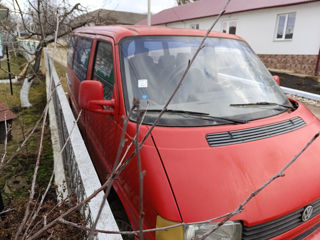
16,65
16,177
61,71
23,164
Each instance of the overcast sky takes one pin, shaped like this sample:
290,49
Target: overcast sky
138,6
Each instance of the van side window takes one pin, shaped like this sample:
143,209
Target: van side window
81,59
71,51
103,68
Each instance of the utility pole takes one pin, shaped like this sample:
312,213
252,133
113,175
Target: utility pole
149,12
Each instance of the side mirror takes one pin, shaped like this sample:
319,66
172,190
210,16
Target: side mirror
91,98
277,79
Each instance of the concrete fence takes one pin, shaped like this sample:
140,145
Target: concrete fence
74,172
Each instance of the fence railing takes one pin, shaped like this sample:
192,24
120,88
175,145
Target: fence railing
74,162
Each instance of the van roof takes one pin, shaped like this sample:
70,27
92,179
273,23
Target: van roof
117,32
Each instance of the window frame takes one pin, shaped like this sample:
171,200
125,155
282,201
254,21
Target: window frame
72,50
79,70
228,25
286,15
195,26
97,44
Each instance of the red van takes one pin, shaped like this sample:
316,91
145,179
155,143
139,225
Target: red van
226,132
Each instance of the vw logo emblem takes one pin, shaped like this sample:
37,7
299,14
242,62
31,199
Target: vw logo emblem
307,213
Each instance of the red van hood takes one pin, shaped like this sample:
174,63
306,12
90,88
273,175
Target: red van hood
210,181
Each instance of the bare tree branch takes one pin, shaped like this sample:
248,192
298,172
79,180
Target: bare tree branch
141,173
73,126
255,193
75,7
26,215
35,214
22,17
2,165
6,211
5,139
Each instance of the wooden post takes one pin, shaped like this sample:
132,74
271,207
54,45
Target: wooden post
316,72
9,70
1,203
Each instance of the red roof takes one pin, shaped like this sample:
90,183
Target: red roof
5,113
206,8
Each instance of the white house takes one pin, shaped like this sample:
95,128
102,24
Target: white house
284,33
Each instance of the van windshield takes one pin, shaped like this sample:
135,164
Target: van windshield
226,84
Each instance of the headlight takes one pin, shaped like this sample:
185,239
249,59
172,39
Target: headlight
229,231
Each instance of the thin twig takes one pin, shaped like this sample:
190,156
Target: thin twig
200,47
138,231
107,185
73,126
31,214
6,211
255,193
72,209
34,178
2,165
5,138
29,223
22,17
48,213
112,175
141,174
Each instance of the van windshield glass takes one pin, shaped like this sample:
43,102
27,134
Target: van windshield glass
223,81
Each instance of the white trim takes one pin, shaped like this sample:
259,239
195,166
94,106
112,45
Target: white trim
300,93
286,15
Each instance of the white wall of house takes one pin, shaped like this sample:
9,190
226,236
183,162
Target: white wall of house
258,28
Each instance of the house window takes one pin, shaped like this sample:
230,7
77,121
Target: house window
229,27
285,26
195,25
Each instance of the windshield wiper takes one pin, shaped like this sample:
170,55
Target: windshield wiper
200,115
178,111
258,104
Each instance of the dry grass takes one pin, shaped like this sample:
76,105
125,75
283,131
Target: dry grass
61,71
16,177
16,65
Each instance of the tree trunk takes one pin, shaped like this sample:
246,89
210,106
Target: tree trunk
37,59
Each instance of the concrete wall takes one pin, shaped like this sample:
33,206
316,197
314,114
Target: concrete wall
74,163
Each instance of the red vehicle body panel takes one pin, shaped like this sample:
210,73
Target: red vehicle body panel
247,167
186,179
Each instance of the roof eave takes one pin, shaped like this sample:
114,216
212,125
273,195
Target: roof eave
231,12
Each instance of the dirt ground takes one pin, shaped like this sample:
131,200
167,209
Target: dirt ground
307,84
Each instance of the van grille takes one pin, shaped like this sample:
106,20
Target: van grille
256,133
278,226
